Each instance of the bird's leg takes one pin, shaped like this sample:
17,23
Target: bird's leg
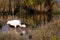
15,27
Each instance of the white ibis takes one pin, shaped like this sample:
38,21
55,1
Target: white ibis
16,23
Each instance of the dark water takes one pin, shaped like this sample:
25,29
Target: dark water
5,28
58,1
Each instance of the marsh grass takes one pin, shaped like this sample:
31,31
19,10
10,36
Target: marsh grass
49,31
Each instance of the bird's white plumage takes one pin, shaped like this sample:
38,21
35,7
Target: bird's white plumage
15,23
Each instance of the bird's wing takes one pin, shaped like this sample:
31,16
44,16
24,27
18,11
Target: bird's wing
14,22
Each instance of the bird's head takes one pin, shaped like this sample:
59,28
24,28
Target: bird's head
23,25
